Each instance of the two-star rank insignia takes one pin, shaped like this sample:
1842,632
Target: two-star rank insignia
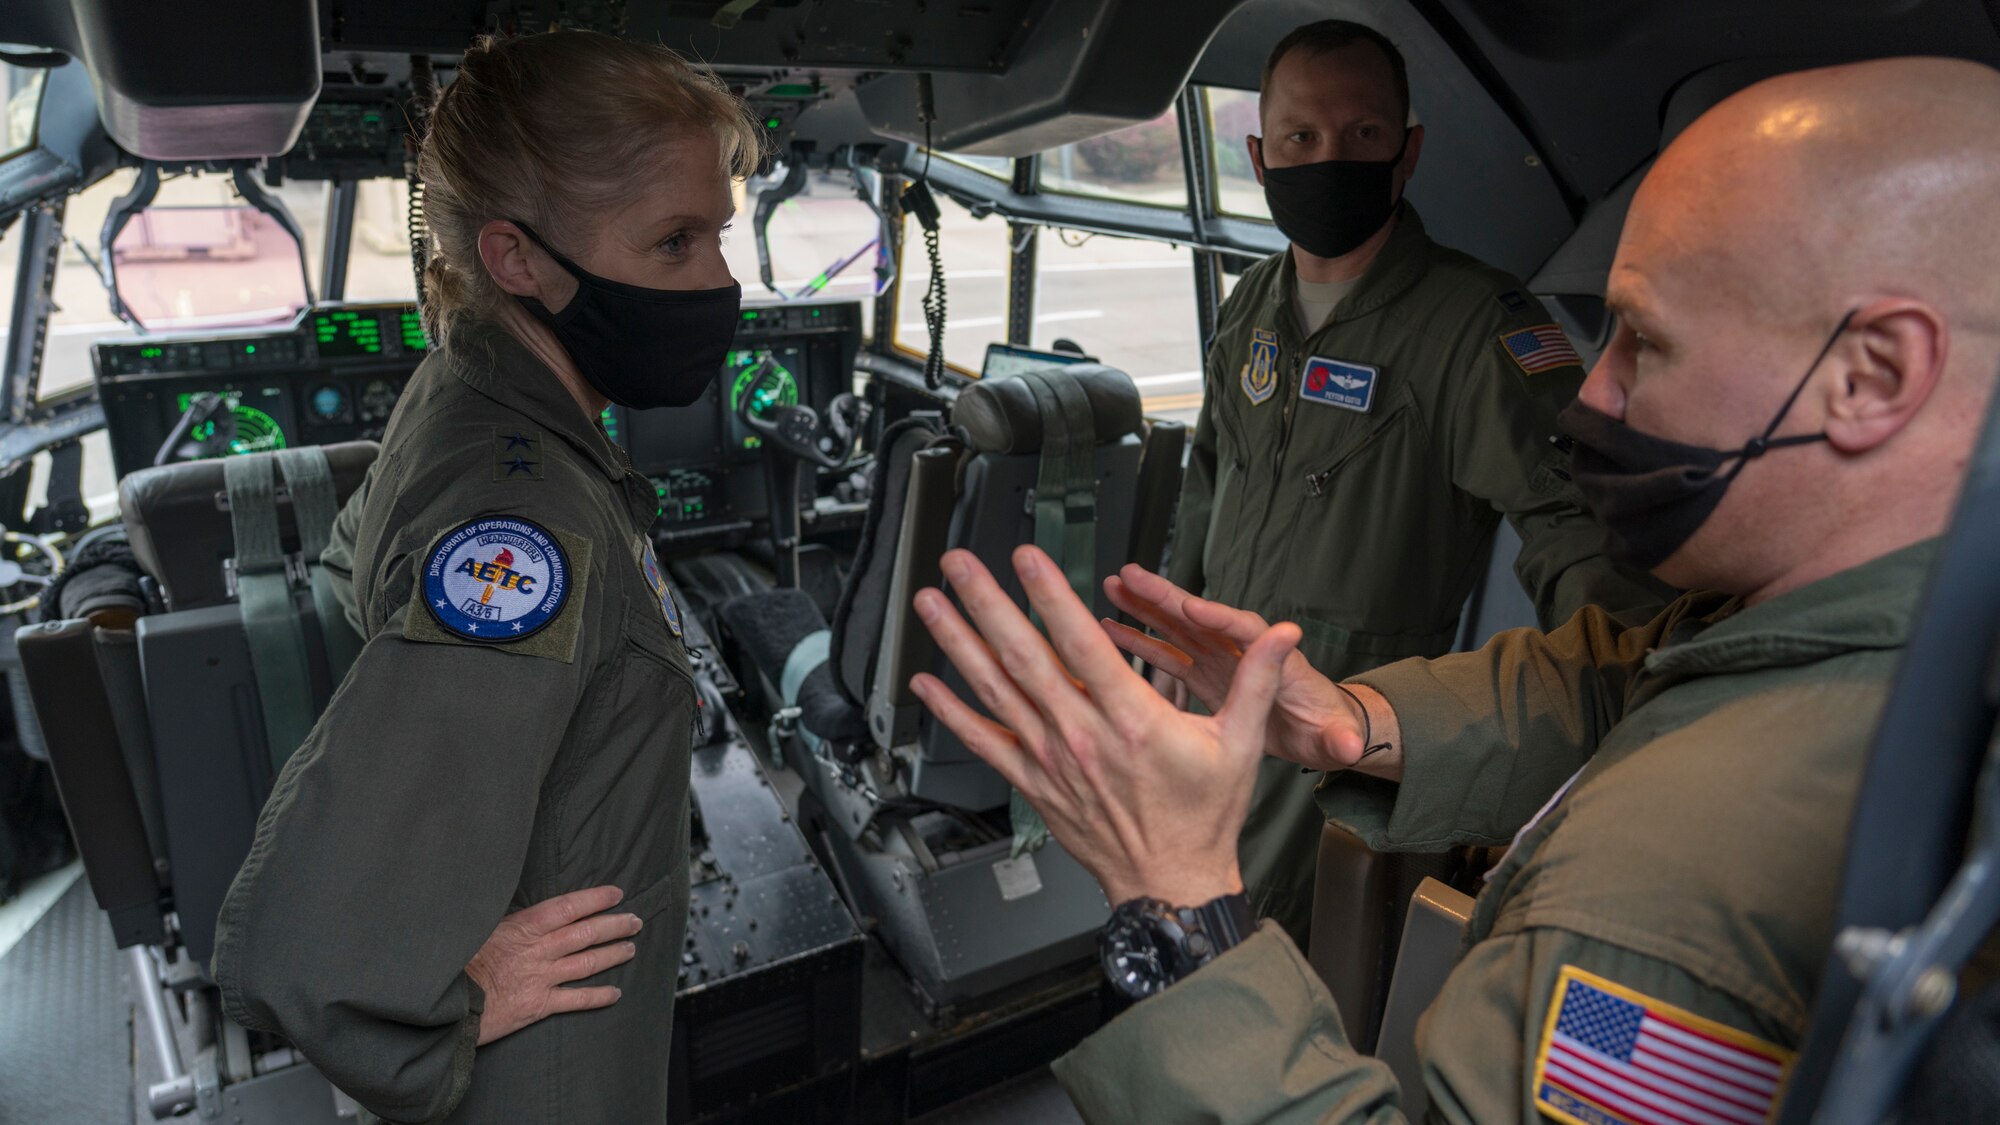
1260,374
517,453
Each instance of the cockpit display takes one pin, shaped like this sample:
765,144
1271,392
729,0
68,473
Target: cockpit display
335,375
739,372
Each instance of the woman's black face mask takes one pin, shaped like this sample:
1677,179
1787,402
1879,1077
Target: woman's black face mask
1651,493
641,347
1329,208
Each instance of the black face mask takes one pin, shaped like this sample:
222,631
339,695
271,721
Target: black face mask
1651,493
641,347
1331,207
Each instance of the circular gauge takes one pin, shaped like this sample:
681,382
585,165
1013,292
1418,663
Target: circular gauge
378,400
329,403
248,430
778,390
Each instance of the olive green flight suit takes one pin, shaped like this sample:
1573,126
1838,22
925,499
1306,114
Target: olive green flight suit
452,780
1369,527
1695,860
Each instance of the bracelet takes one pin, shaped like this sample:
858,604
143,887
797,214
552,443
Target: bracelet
1368,745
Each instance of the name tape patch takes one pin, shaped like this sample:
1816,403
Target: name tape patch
1613,1056
1335,382
498,579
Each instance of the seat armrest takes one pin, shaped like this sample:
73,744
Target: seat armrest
1156,492
1433,933
59,661
907,647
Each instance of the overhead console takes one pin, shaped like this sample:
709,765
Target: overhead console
334,376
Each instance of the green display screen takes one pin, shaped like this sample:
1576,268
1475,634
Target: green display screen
412,324
249,430
343,334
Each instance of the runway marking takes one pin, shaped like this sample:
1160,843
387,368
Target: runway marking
992,321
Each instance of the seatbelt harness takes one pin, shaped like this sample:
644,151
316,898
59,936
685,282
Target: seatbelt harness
1065,520
264,596
278,654
315,505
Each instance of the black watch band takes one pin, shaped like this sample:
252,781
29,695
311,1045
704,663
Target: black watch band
1148,945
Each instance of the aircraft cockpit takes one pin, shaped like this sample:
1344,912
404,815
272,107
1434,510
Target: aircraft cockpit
983,257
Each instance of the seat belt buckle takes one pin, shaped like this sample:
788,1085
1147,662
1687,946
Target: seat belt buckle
298,574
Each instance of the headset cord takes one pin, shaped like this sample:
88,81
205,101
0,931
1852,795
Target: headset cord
933,303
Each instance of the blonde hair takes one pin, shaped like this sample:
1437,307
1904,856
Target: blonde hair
550,130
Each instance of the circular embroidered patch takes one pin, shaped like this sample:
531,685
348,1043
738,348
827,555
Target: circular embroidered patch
497,579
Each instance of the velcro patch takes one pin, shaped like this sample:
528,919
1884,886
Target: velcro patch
517,453
501,581
1541,348
1335,382
1260,375
1513,300
649,566
1612,1056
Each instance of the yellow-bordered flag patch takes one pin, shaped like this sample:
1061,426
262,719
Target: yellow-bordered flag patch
1613,1056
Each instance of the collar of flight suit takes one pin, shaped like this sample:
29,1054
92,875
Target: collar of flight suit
487,358
1402,262
1870,606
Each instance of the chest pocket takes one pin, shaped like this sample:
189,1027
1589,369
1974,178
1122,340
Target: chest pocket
1330,443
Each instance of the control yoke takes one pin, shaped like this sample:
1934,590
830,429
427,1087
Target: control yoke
794,433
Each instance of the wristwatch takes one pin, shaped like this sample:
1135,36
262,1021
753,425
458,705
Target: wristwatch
1147,944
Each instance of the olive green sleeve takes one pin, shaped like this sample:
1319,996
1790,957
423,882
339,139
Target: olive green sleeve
1254,1037
1251,1037
1480,1044
390,847
1197,494
1489,735
1498,432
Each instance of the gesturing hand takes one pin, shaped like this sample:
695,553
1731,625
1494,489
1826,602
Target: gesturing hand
1201,642
1148,798
533,953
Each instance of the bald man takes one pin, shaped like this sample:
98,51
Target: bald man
1806,288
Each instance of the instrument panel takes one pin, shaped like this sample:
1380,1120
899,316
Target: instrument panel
335,375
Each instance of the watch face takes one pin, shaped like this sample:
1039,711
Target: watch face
1135,953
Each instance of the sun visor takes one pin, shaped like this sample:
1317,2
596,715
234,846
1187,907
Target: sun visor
229,79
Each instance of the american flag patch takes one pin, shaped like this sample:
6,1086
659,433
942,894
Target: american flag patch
1611,1056
1541,348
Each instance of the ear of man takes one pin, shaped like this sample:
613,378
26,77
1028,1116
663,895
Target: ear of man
1892,364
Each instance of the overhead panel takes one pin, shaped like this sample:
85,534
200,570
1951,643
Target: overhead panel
219,80
1088,67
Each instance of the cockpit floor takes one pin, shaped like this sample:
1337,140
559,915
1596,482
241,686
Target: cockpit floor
65,1021
66,1045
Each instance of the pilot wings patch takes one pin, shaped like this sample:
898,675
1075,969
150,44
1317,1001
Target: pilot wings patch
1612,1056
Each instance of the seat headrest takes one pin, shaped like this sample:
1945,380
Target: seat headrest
179,524
1000,415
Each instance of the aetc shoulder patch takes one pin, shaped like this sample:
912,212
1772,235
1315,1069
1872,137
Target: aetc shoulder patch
496,580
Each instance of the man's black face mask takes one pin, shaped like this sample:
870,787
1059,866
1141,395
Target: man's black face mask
640,347
1330,208
1652,493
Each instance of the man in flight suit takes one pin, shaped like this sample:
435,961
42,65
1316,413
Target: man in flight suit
1806,288
1374,402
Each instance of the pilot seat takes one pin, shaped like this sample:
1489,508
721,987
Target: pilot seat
166,734
969,894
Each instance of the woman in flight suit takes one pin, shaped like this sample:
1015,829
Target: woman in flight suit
427,910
